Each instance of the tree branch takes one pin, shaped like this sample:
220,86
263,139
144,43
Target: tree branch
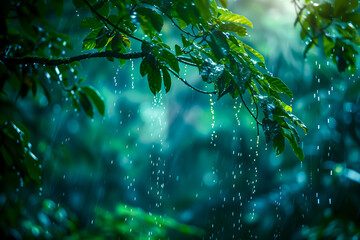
67,60
188,84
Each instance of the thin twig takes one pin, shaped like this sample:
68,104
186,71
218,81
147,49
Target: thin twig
257,110
242,99
186,62
188,84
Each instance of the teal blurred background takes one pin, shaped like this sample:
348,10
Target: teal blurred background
187,156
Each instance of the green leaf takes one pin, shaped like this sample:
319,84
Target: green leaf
309,45
271,129
294,145
253,51
6,156
223,3
233,27
58,6
101,39
185,41
32,167
150,20
95,97
342,6
103,8
204,8
277,85
145,67
219,44
279,144
354,18
325,10
228,16
166,79
117,42
79,3
178,50
86,104
154,79
91,23
298,122
210,71
90,40
171,60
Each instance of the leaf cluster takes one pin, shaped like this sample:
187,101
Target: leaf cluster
335,27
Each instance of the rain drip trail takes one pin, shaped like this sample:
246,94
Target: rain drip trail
213,135
277,204
237,195
157,161
252,181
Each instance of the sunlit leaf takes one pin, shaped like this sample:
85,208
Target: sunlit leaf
226,15
253,51
233,27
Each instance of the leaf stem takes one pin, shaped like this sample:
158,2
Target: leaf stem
188,84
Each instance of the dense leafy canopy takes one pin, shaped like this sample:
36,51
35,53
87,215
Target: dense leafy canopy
211,41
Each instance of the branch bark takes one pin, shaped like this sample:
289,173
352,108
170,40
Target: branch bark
67,60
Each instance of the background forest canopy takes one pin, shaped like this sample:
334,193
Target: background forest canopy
161,40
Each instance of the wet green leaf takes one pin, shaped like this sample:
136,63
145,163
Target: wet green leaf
178,50
226,15
294,145
341,6
166,79
218,43
277,85
279,144
253,51
150,20
154,80
86,104
210,71
91,23
145,67
171,60
32,166
271,129
90,40
95,97
233,27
